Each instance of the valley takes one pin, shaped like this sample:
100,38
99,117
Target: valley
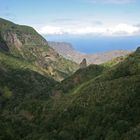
45,95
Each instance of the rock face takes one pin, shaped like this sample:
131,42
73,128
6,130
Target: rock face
3,45
138,49
11,38
66,50
83,64
24,42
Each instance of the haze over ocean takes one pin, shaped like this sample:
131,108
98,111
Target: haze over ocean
98,44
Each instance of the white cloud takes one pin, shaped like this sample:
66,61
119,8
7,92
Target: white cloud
51,30
114,30
124,28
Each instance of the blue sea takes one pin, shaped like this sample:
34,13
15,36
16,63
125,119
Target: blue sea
95,44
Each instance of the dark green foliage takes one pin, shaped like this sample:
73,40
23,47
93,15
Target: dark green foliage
24,92
27,74
106,107
96,103
79,77
93,112
23,78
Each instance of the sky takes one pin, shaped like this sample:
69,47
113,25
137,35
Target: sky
76,17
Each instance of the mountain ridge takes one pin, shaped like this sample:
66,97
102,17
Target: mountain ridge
97,102
25,43
66,49
103,107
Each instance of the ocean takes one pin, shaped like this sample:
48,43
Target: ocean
92,44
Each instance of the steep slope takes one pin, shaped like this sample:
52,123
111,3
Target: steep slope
103,106
20,79
80,76
25,43
21,83
106,107
66,50
115,61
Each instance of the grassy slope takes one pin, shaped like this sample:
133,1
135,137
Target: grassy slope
103,104
80,76
68,85
24,90
25,82
25,43
22,79
106,107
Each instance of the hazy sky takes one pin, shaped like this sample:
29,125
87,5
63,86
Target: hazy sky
76,17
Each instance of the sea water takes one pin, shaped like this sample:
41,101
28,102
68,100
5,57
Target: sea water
96,44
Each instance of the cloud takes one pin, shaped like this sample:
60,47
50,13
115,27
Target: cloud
112,1
51,30
137,25
114,30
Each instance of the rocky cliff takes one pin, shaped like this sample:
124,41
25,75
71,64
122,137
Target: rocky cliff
83,64
25,43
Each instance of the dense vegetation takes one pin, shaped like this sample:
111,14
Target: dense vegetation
106,107
100,102
80,76
21,86
103,106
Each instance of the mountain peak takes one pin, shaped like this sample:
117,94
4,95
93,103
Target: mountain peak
83,64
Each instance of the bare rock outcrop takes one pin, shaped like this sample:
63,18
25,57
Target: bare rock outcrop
83,64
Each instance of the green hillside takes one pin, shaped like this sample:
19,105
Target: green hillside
25,43
99,102
80,76
69,84
21,84
106,107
